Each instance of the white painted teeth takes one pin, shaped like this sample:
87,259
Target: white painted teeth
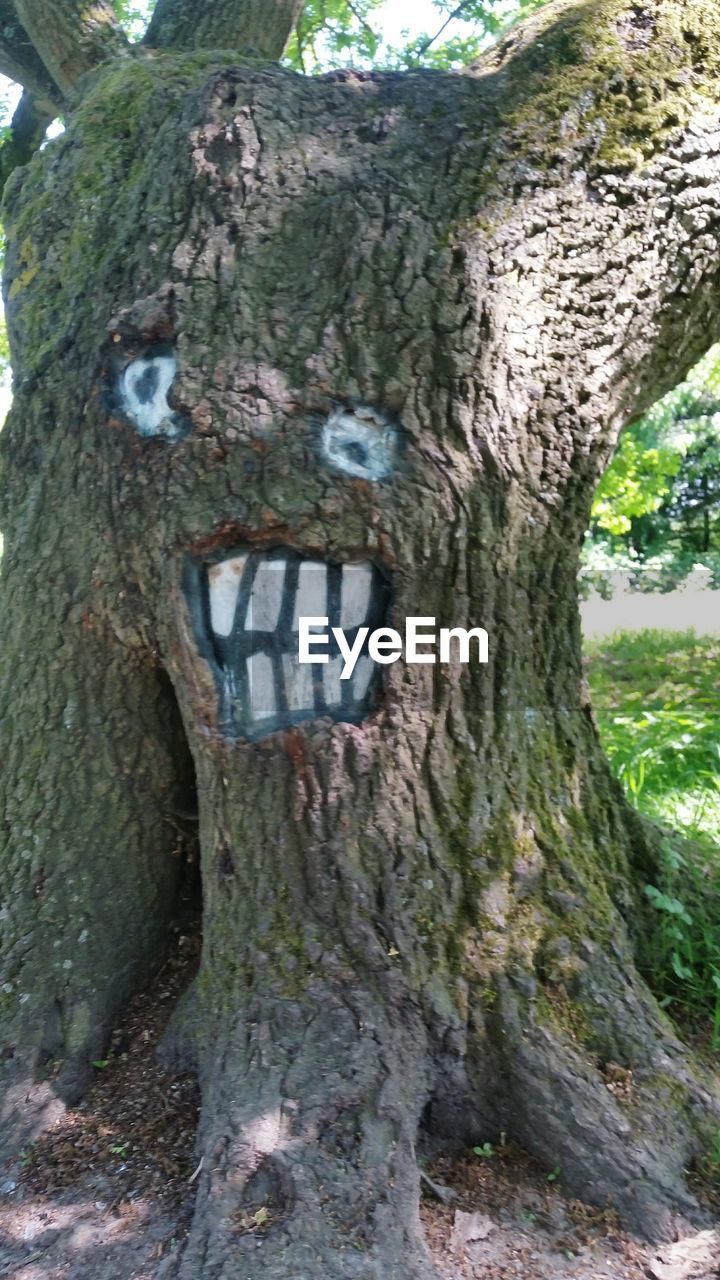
364,672
355,595
298,679
331,682
265,603
261,686
255,604
311,597
224,583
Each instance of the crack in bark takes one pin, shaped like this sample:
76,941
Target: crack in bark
435,906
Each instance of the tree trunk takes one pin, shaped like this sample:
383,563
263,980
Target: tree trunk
71,36
260,27
401,351
20,61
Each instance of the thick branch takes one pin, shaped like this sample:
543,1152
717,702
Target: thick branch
20,61
627,97
261,27
71,36
28,128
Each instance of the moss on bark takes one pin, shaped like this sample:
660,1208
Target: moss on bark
619,78
434,907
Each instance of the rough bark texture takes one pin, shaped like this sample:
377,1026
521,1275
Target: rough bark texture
20,61
27,130
71,36
420,927
261,27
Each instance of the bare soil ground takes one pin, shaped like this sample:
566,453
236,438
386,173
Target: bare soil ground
107,1193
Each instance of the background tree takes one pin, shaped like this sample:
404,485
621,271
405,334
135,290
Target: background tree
656,513
374,337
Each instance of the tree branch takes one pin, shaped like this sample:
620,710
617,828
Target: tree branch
28,128
365,26
71,36
456,13
19,61
261,27
555,81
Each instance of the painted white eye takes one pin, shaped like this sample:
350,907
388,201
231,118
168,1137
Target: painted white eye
144,387
360,443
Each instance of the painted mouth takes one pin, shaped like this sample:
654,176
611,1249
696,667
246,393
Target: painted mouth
246,609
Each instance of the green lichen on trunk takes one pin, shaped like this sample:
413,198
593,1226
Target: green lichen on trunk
619,78
438,902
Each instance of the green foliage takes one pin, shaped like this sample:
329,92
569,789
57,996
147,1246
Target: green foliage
634,485
657,508
681,951
655,697
484,22
333,33
133,16
336,33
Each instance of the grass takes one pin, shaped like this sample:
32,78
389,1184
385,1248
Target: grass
656,696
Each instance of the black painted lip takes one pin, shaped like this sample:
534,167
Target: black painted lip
245,604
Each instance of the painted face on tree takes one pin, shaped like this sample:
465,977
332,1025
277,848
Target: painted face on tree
246,609
360,443
141,392
246,605
405,921
297,430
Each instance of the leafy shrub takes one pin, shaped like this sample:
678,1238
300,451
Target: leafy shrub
656,700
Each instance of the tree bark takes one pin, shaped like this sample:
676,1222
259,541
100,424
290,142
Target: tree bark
27,131
71,36
93,779
261,27
20,61
410,315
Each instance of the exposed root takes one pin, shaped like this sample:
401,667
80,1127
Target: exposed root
308,1152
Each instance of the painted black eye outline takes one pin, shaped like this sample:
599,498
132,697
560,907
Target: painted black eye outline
360,442
141,394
